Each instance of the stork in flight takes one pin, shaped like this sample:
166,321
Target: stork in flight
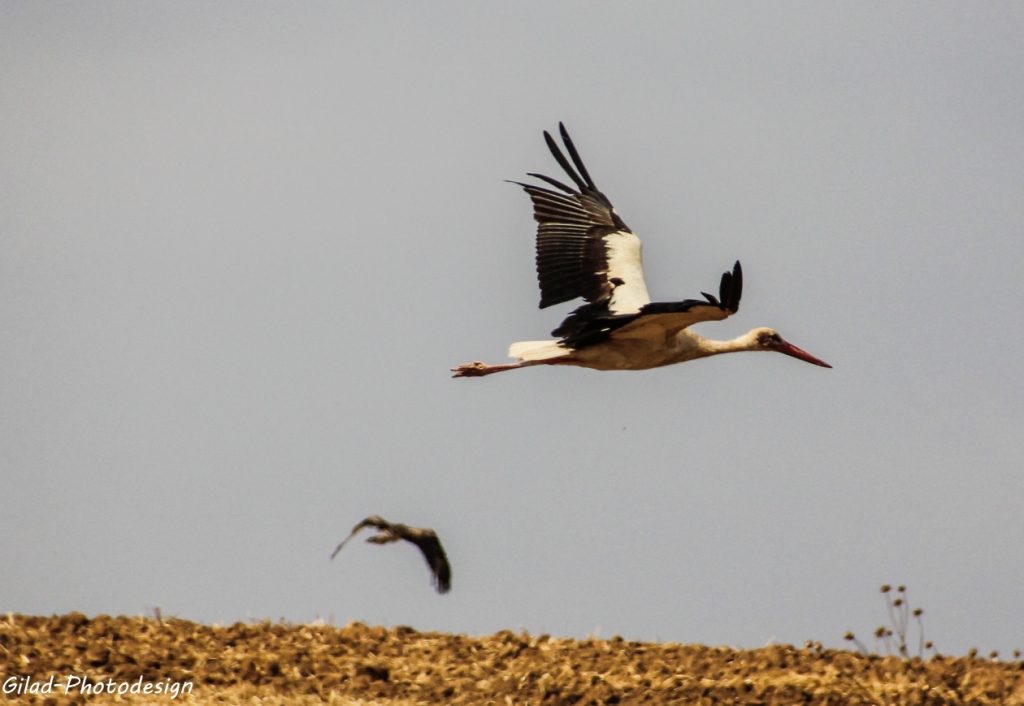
584,249
425,539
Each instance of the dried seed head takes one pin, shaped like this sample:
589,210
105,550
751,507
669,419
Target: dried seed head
849,636
973,652
993,654
1016,654
807,645
880,632
898,602
888,633
901,589
918,612
885,588
928,645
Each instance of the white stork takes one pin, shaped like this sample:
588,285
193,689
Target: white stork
584,249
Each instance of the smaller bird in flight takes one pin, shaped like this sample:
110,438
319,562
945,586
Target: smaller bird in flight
425,539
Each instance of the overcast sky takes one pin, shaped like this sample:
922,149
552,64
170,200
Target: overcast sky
241,245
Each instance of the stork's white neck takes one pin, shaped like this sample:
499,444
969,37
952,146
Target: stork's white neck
696,346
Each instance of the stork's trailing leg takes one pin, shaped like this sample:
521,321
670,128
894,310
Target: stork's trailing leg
476,369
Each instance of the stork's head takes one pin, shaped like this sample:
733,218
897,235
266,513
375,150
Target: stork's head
765,339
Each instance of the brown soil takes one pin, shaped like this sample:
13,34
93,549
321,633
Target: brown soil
356,664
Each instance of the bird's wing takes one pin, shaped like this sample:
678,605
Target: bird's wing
671,318
372,521
583,248
433,552
662,319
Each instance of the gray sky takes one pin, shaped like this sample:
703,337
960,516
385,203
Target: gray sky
242,244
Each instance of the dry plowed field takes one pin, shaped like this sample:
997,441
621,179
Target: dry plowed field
291,664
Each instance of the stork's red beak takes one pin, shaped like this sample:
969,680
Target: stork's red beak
791,350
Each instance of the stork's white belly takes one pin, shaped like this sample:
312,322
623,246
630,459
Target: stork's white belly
637,353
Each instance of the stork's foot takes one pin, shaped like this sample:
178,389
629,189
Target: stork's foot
476,369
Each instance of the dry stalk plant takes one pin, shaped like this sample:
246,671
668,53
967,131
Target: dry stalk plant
893,637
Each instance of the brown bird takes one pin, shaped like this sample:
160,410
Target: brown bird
425,539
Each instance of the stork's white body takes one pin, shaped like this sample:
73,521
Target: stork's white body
635,353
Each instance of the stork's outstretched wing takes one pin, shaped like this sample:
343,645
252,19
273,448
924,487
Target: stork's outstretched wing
437,560
662,318
671,318
372,521
583,248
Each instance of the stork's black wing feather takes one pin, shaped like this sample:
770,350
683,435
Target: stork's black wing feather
582,244
731,288
563,162
571,257
553,182
575,155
